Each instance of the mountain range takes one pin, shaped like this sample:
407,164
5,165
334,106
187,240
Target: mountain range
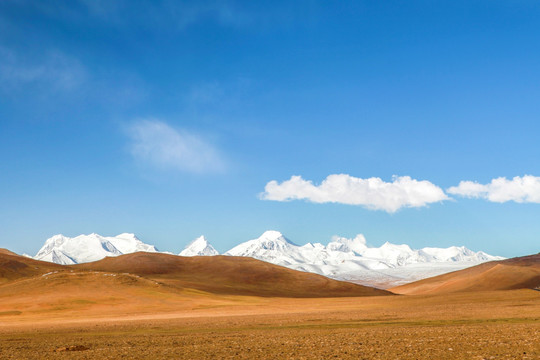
342,258
64,250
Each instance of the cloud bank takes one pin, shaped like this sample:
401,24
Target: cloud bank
157,144
524,189
372,193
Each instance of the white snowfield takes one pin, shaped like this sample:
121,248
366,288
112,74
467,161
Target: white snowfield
342,258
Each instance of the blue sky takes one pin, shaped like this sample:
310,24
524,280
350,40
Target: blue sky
168,119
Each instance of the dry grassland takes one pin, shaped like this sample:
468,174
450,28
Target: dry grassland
483,325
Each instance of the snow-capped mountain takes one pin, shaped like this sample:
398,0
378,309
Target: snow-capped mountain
273,247
199,247
61,249
128,243
353,260
342,258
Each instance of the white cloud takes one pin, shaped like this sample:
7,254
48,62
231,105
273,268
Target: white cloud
155,143
372,193
524,189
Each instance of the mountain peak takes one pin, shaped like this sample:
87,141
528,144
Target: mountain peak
356,244
199,247
271,243
127,236
84,248
56,238
270,236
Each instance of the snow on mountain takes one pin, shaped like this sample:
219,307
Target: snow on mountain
199,247
271,246
128,243
329,260
342,258
353,260
356,245
64,250
457,254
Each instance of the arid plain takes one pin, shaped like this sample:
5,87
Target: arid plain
100,311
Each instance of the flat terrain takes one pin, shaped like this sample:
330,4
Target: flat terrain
483,325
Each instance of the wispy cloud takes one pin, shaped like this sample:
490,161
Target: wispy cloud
372,193
55,70
524,189
159,145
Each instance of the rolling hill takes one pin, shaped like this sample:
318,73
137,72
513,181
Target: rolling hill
229,275
13,266
225,275
516,273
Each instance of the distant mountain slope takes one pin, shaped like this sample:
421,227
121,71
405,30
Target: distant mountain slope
272,246
353,260
199,247
515,273
85,248
342,259
229,275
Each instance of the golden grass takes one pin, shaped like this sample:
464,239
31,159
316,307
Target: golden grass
483,325
78,313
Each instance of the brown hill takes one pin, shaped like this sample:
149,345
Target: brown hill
7,252
13,266
145,284
228,275
516,273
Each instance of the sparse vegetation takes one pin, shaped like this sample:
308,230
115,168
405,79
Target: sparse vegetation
87,313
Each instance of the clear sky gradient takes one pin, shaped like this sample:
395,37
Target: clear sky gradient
168,119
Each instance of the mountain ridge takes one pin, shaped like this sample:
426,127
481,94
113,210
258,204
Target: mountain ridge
64,250
342,258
